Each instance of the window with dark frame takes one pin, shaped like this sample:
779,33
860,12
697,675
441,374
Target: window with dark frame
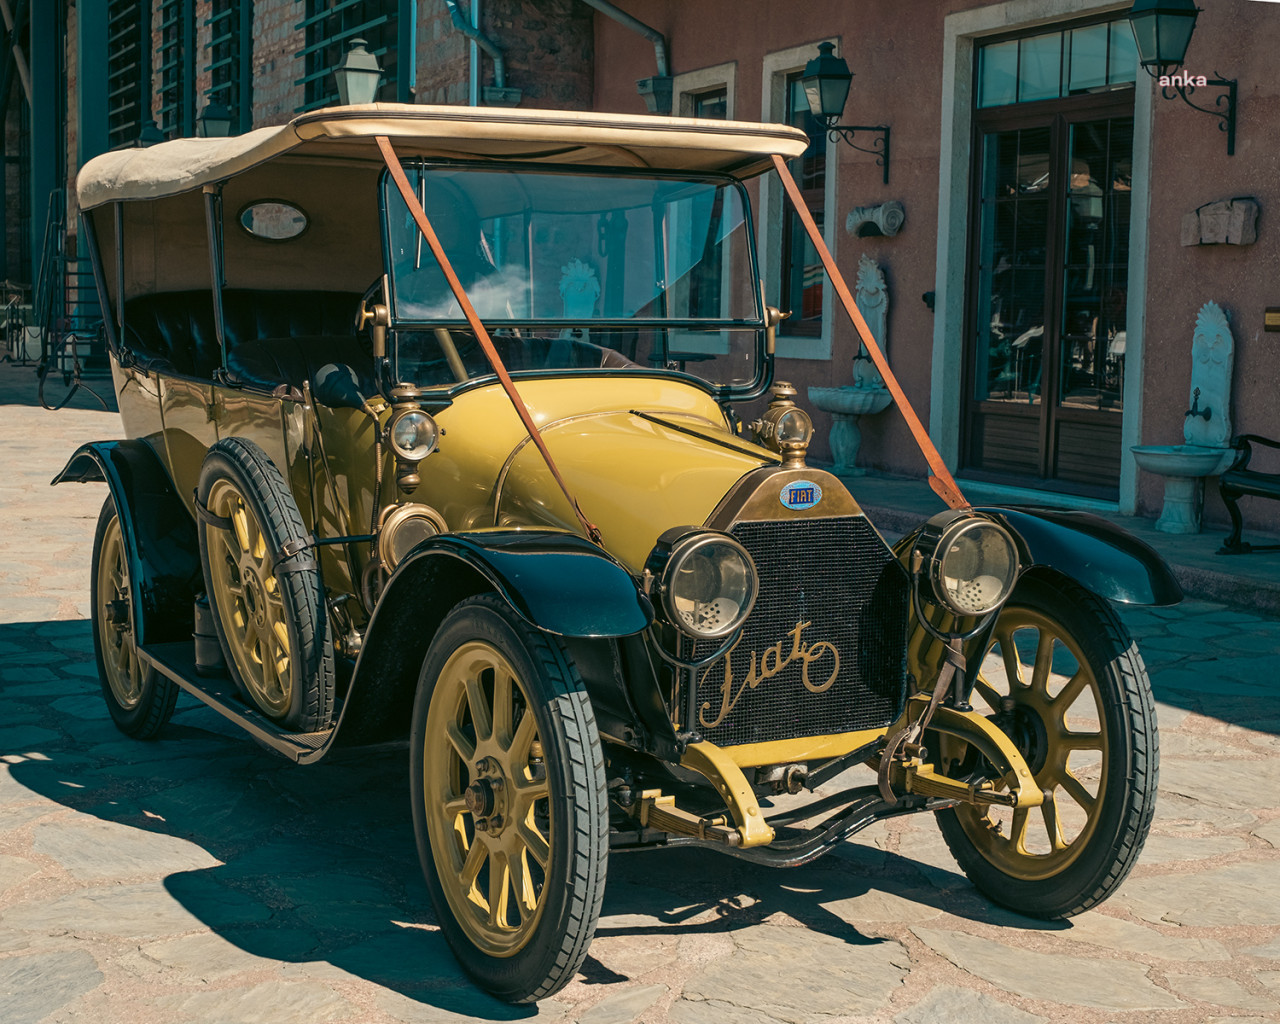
712,105
330,25
230,55
176,116
802,274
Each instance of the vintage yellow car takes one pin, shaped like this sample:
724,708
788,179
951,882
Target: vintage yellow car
434,432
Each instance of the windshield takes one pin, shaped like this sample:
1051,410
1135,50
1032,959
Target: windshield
576,270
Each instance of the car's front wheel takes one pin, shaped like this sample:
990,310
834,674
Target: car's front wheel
1066,683
509,802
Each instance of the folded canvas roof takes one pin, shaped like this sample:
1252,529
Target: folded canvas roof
453,132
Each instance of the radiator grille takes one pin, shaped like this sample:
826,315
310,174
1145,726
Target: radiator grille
837,579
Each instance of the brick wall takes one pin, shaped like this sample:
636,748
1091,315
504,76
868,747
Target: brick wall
276,66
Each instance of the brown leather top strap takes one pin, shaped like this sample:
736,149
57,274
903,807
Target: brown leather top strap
941,480
473,318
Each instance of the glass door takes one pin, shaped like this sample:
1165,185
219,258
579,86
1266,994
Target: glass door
1048,298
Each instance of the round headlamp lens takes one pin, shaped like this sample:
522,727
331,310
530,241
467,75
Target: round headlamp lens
976,566
795,427
709,585
413,435
405,527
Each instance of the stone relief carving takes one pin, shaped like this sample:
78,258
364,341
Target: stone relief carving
1212,359
874,221
872,297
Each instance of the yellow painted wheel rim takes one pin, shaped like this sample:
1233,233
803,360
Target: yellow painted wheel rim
125,674
1038,674
481,762
250,607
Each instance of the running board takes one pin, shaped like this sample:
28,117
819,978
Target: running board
177,661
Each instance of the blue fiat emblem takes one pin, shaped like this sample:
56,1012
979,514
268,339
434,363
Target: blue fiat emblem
800,495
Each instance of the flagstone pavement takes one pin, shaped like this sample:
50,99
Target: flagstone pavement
198,878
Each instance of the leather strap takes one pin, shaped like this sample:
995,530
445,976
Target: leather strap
941,480
468,310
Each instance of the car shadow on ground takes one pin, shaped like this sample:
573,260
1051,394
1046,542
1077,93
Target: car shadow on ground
315,867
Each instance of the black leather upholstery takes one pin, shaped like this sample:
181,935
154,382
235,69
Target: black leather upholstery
174,333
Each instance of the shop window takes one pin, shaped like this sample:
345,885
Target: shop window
803,279
1051,65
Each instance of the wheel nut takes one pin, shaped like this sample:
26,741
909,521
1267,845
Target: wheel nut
482,824
495,823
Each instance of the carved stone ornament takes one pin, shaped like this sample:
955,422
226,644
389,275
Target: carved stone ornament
1229,222
875,221
872,297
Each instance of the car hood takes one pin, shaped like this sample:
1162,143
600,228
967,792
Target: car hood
634,474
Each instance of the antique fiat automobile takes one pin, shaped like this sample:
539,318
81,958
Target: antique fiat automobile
458,426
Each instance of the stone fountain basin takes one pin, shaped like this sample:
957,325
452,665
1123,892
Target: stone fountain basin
851,401
1189,460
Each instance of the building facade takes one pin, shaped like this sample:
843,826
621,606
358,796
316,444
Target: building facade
1041,297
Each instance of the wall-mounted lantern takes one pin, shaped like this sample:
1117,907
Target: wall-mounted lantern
358,75
826,82
214,121
1162,31
149,134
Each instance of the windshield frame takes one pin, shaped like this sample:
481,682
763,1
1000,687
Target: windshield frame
723,180
740,391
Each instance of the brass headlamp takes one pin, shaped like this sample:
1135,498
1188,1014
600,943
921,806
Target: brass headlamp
412,434
784,428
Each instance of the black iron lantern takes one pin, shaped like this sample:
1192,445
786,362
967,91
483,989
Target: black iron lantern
358,75
149,135
214,122
826,82
1162,31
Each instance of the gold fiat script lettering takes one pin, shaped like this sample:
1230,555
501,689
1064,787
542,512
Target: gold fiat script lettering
768,664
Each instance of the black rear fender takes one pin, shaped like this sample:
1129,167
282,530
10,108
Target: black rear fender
158,531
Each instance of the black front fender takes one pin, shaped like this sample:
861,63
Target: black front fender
158,532
557,581
1096,553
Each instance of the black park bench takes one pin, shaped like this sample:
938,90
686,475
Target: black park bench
1240,481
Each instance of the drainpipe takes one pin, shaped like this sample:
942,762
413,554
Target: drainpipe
656,90
497,95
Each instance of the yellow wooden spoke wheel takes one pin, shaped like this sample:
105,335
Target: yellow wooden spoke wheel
1062,679
247,595
508,798
268,608
140,701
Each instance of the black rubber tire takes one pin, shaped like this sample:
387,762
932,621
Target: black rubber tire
1129,796
155,703
301,586
573,889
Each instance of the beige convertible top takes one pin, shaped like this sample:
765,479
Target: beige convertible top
547,136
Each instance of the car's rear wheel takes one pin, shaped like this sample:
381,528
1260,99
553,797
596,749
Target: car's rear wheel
509,805
268,609
139,699
1066,683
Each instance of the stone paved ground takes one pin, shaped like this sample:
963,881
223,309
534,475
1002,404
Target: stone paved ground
199,879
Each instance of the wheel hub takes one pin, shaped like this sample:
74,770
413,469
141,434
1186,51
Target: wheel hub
254,600
1025,727
485,797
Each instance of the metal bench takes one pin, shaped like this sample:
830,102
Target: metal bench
1240,481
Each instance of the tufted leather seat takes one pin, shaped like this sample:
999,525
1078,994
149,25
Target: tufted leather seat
173,332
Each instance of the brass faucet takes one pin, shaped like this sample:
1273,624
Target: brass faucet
1195,409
